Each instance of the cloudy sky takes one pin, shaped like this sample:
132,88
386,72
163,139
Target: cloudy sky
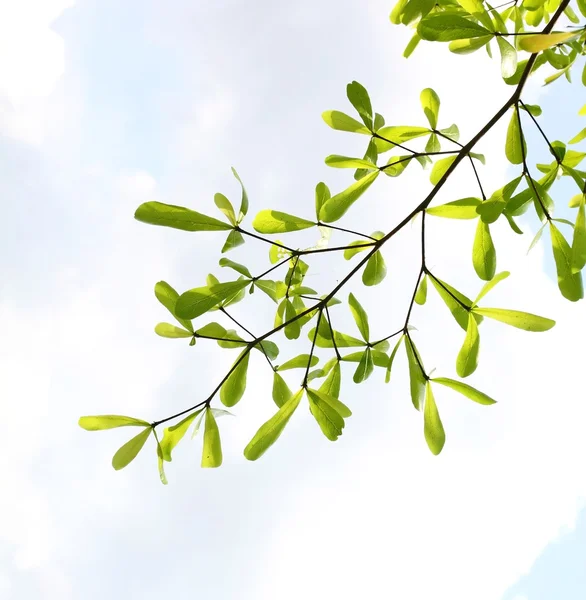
104,105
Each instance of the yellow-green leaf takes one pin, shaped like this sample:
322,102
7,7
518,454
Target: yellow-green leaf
170,331
433,428
542,41
270,431
375,270
392,359
421,295
483,252
360,317
234,387
466,390
342,122
128,452
328,418
167,296
579,241
211,456
174,434
331,384
467,360
336,206
430,103
416,378
569,283
275,221
226,207
196,302
458,209
515,146
516,318
101,422
177,217
440,168
490,284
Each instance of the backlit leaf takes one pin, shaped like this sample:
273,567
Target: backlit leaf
416,378
431,104
449,295
268,433
433,428
440,168
521,320
515,146
196,302
226,207
233,388
299,362
375,270
234,239
570,284
421,295
128,452
465,390
334,208
541,41
281,391
170,331
174,434
360,100
483,252
490,284
167,296
445,27
458,209
579,241
360,317
211,456
101,422
177,217
332,383
328,418
342,122
467,360
365,367
244,201
275,221
392,358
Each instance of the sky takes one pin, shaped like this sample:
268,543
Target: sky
105,105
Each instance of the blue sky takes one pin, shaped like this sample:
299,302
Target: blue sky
106,105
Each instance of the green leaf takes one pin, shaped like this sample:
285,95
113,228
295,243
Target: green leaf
270,349
211,456
430,103
578,137
375,270
177,217
458,209
269,288
356,247
226,262
533,109
490,210
433,428
233,240
293,329
370,156
379,358
268,433
393,135
196,302
281,391
275,221
465,390
440,168
508,57
332,383
299,362
342,122
483,252
579,241
421,295
360,317
392,359
324,338
365,367
233,388
322,194
226,207
542,41
167,296
334,208
333,401
101,422
449,295
160,461
347,162
416,377
467,46
433,144
360,100
127,453
570,284
328,418
174,434
170,331
396,165
521,320
467,360
244,202
447,27
490,284
515,146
